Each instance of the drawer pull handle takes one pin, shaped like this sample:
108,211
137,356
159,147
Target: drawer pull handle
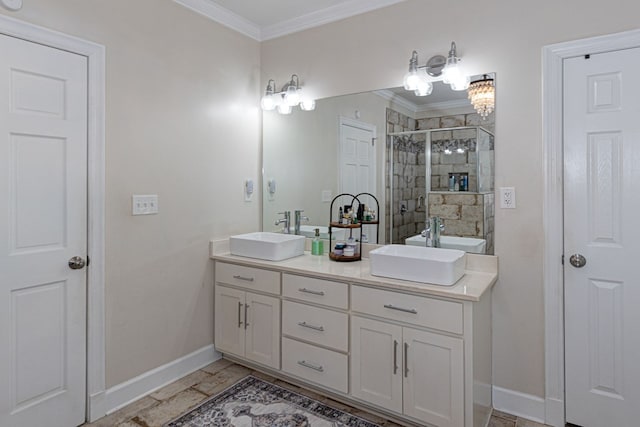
405,310
406,360
310,366
315,328
395,357
239,319
246,320
248,279
309,291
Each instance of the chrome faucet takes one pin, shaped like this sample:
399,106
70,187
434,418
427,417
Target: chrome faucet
432,232
298,218
286,220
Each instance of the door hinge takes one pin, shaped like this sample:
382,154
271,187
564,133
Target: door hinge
587,56
373,142
562,261
88,260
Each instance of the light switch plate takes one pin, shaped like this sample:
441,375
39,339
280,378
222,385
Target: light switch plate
144,204
507,197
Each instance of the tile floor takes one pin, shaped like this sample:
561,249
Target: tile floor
178,397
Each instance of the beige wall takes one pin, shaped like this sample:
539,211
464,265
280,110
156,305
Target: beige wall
372,51
181,122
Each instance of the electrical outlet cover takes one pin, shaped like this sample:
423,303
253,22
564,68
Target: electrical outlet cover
507,197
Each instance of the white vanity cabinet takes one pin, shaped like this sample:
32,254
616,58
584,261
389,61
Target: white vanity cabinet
415,372
415,354
247,324
408,371
315,330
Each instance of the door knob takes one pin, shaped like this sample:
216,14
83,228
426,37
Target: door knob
76,263
577,260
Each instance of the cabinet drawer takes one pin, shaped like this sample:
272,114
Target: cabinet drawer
324,367
319,291
316,325
248,277
422,311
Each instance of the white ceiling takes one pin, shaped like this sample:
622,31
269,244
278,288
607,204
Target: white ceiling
264,20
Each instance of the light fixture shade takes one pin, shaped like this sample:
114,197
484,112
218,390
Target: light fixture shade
292,96
482,94
268,102
283,108
453,75
461,82
308,104
411,80
424,88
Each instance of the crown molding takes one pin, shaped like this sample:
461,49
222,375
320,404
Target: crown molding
229,19
435,106
395,99
324,16
223,16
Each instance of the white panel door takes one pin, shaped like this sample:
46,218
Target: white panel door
434,378
376,362
602,201
357,160
43,198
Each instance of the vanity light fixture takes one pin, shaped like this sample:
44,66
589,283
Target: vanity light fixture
290,96
482,94
420,79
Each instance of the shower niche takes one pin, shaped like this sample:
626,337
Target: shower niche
446,172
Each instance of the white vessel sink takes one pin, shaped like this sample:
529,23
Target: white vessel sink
310,231
266,245
435,266
467,244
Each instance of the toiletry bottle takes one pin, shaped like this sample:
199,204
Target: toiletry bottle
456,184
317,244
452,182
340,215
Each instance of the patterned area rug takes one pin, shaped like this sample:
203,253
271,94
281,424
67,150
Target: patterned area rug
252,402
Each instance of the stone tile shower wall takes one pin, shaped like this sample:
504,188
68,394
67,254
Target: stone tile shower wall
409,179
465,215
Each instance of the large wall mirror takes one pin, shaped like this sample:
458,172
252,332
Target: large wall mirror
420,156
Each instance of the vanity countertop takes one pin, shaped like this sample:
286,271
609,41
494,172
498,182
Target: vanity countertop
481,273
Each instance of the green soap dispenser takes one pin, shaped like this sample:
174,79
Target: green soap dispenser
317,244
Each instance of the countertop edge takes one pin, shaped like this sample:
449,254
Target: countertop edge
479,276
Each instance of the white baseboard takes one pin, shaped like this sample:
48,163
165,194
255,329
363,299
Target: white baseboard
122,394
520,404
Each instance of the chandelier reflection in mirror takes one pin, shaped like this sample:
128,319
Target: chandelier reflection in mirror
290,96
420,79
482,94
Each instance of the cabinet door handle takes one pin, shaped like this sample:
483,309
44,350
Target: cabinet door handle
315,328
239,318
310,291
405,310
310,366
406,360
248,279
395,357
246,322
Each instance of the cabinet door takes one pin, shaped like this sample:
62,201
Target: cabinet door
434,378
229,320
262,341
376,363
